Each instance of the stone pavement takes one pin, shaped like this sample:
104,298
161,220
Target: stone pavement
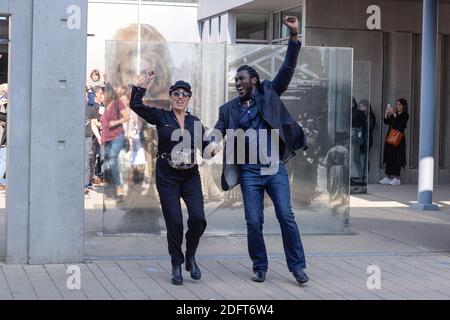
420,277
411,250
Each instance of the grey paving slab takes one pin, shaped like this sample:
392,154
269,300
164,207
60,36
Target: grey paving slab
305,292
105,282
352,284
274,292
121,281
91,286
385,292
218,285
433,265
320,288
389,275
201,289
417,280
417,264
25,296
247,290
43,285
327,280
141,278
18,282
163,277
5,292
275,285
59,277
388,279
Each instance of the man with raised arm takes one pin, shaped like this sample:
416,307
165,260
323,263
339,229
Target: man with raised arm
258,109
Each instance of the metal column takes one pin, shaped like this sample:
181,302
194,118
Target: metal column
428,106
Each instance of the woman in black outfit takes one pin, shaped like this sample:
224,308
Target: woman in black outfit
395,157
175,180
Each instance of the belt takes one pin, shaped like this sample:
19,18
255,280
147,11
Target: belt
178,167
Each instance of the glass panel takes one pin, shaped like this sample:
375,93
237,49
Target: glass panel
252,26
363,123
296,12
319,98
4,35
276,25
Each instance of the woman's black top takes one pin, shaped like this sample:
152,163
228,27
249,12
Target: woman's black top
166,123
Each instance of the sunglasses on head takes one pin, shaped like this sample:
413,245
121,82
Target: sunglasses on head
181,94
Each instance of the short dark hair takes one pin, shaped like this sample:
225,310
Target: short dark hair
252,72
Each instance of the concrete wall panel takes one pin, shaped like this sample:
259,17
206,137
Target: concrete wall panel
57,134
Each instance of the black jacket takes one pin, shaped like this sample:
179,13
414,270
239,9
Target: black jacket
272,111
3,117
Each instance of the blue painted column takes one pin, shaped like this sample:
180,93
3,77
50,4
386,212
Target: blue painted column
428,105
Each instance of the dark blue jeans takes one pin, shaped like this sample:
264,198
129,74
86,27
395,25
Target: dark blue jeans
253,185
112,150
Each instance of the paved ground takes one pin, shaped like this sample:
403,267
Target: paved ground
410,248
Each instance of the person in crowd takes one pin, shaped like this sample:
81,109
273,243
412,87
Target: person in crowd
365,107
95,79
175,180
97,157
394,156
112,120
258,106
359,142
90,116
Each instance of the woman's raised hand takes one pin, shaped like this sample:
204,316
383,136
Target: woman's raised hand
145,79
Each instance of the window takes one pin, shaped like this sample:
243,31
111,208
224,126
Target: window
280,31
220,26
210,28
252,27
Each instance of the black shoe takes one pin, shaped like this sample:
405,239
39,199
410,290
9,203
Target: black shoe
191,266
300,276
177,278
259,276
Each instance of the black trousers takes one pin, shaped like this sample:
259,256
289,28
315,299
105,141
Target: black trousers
393,169
172,186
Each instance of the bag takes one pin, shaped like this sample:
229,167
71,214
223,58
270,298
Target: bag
394,137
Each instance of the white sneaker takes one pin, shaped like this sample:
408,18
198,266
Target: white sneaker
385,180
395,182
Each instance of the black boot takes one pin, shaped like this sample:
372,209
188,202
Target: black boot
300,276
260,276
191,266
177,278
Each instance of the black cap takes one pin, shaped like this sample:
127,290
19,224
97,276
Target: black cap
180,84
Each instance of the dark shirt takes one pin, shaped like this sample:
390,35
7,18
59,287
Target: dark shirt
251,119
358,118
90,113
166,122
3,118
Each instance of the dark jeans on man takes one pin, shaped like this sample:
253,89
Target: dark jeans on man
253,185
173,185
